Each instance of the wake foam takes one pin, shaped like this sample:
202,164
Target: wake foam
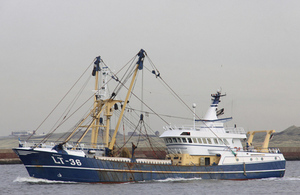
33,180
291,178
281,179
178,179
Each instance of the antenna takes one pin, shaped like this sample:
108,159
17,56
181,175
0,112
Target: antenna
194,107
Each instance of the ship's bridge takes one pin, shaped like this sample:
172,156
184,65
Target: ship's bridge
199,140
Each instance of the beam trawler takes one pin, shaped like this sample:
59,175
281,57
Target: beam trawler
207,151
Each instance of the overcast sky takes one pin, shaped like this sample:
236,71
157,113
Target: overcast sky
248,48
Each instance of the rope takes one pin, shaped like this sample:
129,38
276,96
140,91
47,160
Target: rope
176,95
68,109
170,116
42,141
61,99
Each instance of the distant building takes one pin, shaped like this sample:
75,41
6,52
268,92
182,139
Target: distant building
22,133
132,134
111,132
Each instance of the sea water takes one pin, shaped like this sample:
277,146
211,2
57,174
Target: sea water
15,180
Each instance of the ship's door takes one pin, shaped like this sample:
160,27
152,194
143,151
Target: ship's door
207,161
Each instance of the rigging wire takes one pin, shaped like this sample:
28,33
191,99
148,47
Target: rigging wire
149,141
166,115
61,99
124,78
145,104
122,83
68,110
82,118
130,123
181,100
43,141
117,89
70,106
49,134
88,98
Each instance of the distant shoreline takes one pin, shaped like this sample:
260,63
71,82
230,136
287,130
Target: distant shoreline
7,156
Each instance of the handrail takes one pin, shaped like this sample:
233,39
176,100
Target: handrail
233,130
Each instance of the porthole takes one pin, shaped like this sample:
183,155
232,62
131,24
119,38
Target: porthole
237,159
251,159
262,158
275,157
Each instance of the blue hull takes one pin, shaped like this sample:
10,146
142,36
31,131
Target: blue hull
64,167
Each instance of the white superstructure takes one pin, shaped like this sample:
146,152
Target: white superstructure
212,139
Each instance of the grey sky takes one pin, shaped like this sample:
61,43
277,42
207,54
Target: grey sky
248,48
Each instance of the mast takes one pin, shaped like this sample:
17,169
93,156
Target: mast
100,94
211,113
95,127
100,107
139,66
104,107
93,112
194,114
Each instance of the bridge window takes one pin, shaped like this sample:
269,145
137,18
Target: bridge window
195,140
204,140
184,140
199,140
220,141
209,140
215,140
190,140
170,140
225,141
185,133
179,140
174,140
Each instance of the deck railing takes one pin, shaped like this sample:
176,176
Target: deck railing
234,130
81,146
260,149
